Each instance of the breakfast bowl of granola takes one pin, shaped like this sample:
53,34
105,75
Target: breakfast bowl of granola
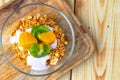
39,41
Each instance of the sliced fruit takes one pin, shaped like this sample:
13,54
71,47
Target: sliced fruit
38,30
34,48
47,37
39,50
46,49
26,39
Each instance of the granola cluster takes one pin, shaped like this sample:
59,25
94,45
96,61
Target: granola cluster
30,21
20,53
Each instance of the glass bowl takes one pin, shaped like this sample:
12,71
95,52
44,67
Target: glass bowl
31,9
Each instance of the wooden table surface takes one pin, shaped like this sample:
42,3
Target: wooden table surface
102,21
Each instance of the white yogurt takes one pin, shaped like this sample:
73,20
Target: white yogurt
15,39
29,30
54,45
37,63
50,28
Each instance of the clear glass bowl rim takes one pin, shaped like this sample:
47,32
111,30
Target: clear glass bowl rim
67,20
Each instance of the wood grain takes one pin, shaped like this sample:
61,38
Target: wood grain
71,4
101,18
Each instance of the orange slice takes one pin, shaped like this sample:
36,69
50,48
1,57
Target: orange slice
47,37
26,39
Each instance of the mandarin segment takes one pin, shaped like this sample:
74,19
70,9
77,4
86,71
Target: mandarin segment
47,37
26,39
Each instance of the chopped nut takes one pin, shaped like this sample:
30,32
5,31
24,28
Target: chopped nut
65,42
22,19
29,17
56,54
48,62
54,61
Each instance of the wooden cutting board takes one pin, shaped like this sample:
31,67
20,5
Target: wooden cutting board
83,47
